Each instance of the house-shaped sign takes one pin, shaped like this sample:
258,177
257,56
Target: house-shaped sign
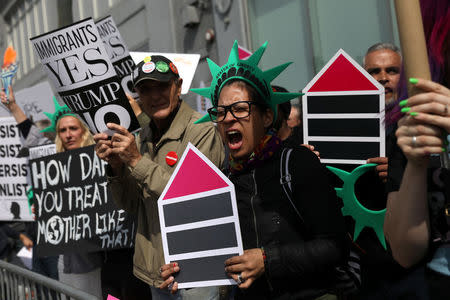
343,113
199,221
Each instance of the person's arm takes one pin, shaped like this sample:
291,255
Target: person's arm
26,241
11,104
407,224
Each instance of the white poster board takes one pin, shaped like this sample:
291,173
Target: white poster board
343,113
13,174
199,221
185,63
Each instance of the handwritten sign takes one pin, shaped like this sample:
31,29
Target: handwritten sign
73,205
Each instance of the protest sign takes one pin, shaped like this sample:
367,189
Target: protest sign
41,151
199,221
185,63
13,174
73,205
343,113
78,66
118,53
33,101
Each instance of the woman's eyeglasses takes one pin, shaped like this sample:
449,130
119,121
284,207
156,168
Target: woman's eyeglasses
239,110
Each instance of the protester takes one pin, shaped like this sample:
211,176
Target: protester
381,276
117,269
294,119
290,136
139,169
80,270
384,61
282,248
8,238
417,218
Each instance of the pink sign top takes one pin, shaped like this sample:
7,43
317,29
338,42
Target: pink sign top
243,53
194,176
342,75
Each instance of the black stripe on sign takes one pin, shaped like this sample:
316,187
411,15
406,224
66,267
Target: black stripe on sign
343,104
201,239
344,127
347,150
200,209
203,268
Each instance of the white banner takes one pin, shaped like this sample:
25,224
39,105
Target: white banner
185,63
13,174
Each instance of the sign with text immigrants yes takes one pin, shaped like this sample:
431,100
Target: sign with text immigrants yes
73,206
79,68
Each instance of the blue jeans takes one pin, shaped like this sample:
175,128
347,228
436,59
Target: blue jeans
203,293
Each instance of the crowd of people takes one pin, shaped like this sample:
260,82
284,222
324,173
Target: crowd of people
294,235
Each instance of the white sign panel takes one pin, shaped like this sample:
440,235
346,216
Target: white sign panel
199,221
343,113
185,63
13,174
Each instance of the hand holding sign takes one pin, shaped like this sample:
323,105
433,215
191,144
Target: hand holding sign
246,268
8,99
9,68
103,149
169,281
124,145
382,168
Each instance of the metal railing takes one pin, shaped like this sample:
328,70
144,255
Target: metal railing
17,283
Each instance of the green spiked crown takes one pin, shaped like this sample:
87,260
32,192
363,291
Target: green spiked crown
60,111
248,71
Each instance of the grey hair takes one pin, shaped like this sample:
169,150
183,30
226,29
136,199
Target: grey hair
382,46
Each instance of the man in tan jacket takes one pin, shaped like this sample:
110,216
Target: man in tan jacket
140,169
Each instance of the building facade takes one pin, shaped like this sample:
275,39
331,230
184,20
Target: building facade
307,32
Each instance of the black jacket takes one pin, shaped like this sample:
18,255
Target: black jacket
8,237
300,259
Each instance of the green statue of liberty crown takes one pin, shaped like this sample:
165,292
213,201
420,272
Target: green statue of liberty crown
60,111
248,71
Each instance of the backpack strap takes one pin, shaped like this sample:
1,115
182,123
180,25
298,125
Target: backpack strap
348,276
285,180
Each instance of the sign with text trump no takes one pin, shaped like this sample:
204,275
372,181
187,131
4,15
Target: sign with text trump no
199,221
